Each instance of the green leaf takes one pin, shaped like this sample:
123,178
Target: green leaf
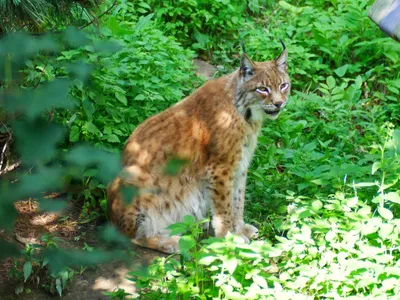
27,270
230,263
385,213
61,258
375,167
121,97
189,219
341,71
74,134
36,141
52,205
316,205
140,97
88,107
91,128
8,249
45,98
108,164
178,228
186,243
143,22
331,82
174,165
203,39
129,193
110,235
385,230
59,286
330,236
392,197
207,260
363,184
112,138
19,288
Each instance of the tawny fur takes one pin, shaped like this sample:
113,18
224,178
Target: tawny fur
215,130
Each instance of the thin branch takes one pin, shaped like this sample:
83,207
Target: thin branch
11,168
2,153
97,18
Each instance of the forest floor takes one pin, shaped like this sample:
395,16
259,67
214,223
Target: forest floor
92,282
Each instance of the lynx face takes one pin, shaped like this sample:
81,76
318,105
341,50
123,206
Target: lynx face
264,86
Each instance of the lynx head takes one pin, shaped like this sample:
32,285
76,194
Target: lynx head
263,87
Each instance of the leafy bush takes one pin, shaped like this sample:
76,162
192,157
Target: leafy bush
332,248
147,73
204,25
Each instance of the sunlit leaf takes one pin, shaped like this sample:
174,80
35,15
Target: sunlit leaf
392,197
230,263
385,213
186,243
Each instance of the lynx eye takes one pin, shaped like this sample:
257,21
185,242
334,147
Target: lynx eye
284,86
263,90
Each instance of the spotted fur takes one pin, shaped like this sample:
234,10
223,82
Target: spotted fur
215,130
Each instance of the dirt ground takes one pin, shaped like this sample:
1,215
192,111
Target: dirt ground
31,225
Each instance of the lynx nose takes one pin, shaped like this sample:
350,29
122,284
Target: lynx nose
278,104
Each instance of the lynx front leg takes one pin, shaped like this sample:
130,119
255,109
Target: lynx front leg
246,230
220,188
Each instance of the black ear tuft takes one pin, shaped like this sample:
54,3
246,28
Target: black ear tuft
243,46
283,44
281,60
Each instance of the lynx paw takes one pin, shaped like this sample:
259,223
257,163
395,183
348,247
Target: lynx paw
166,244
170,245
248,232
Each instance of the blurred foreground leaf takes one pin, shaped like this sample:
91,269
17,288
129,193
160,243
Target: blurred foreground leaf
111,235
8,250
60,258
36,141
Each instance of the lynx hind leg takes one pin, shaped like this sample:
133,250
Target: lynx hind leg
162,243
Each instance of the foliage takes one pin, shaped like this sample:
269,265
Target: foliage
35,269
203,25
36,15
45,167
328,249
146,73
117,293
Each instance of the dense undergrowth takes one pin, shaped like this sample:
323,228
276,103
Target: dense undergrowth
323,185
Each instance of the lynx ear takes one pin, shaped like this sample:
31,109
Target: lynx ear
281,60
246,64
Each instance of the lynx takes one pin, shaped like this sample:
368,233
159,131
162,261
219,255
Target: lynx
215,131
